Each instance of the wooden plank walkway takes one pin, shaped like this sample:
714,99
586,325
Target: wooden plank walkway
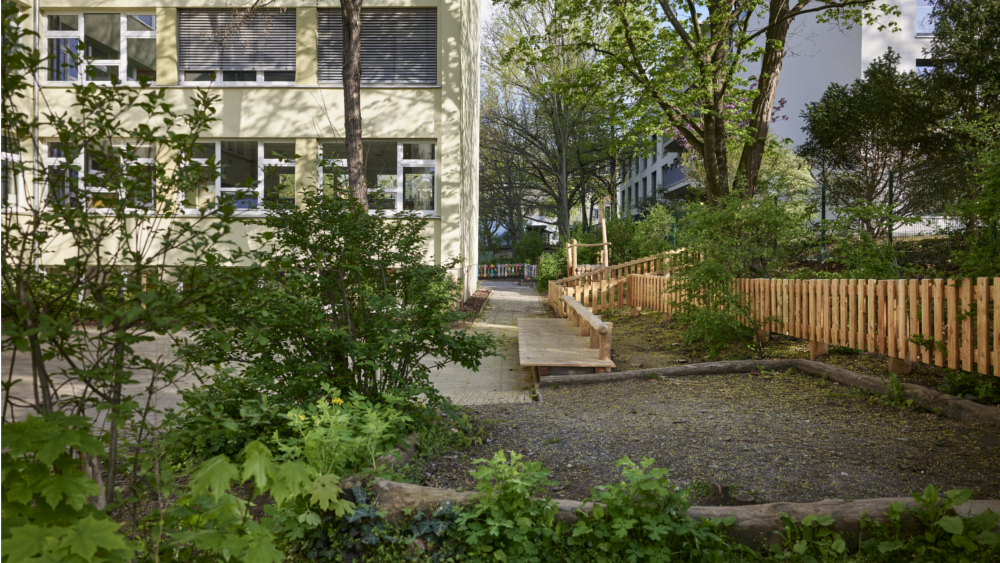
556,343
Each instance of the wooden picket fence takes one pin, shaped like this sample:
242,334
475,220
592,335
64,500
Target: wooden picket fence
608,288
878,316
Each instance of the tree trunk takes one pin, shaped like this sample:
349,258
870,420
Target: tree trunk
351,10
767,86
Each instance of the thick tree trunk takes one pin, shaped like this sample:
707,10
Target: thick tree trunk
767,86
351,10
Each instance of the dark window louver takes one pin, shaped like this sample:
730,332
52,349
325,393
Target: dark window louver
265,43
398,46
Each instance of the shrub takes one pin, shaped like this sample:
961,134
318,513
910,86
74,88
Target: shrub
506,523
644,518
737,238
343,297
551,266
529,248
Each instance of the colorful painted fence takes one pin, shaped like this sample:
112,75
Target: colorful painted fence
526,271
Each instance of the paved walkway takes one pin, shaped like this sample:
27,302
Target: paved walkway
500,379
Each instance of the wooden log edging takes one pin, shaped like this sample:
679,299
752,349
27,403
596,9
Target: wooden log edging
756,525
932,400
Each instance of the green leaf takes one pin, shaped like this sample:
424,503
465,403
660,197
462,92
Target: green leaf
839,545
89,534
27,541
257,465
824,520
74,484
290,480
310,518
800,546
214,475
326,490
951,524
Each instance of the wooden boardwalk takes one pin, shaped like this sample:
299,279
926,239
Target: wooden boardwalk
556,343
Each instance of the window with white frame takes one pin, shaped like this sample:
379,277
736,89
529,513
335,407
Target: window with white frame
108,47
11,180
251,174
97,188
400,176
217,46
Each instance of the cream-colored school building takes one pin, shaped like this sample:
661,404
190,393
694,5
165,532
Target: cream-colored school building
278,79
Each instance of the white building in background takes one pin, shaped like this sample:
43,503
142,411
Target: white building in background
817,55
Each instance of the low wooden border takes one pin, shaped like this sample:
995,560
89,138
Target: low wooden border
935,401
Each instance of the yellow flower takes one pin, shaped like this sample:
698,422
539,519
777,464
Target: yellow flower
302,417
337,401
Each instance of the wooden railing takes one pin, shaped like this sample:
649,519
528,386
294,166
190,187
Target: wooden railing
608,288
878,316
598,331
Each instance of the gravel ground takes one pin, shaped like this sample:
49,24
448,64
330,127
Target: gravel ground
775,436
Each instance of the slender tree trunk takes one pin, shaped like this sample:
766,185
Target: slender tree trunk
351,10
767,86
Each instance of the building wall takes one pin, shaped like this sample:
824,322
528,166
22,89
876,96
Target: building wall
820,54
446,114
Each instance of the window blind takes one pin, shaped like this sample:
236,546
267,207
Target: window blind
398,46
265,42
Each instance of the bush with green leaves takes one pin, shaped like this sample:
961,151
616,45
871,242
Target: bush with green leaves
529,247
73,254
978,215
810,540
551,266
507,522
46,515
343,297
738,237
644,518
945,536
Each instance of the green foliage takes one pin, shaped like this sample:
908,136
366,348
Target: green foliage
737,238
862,254
809,541
896,397
208,521
887,121
46,516
64,261
506,523
335,436
551,266
529,248
644,518
945,535
979,214
350,292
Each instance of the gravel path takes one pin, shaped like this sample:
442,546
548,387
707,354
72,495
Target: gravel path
777,436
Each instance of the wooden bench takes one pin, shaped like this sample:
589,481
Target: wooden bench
580,343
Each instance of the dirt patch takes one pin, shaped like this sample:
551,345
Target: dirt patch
645,342
475,302
471,308
776,436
